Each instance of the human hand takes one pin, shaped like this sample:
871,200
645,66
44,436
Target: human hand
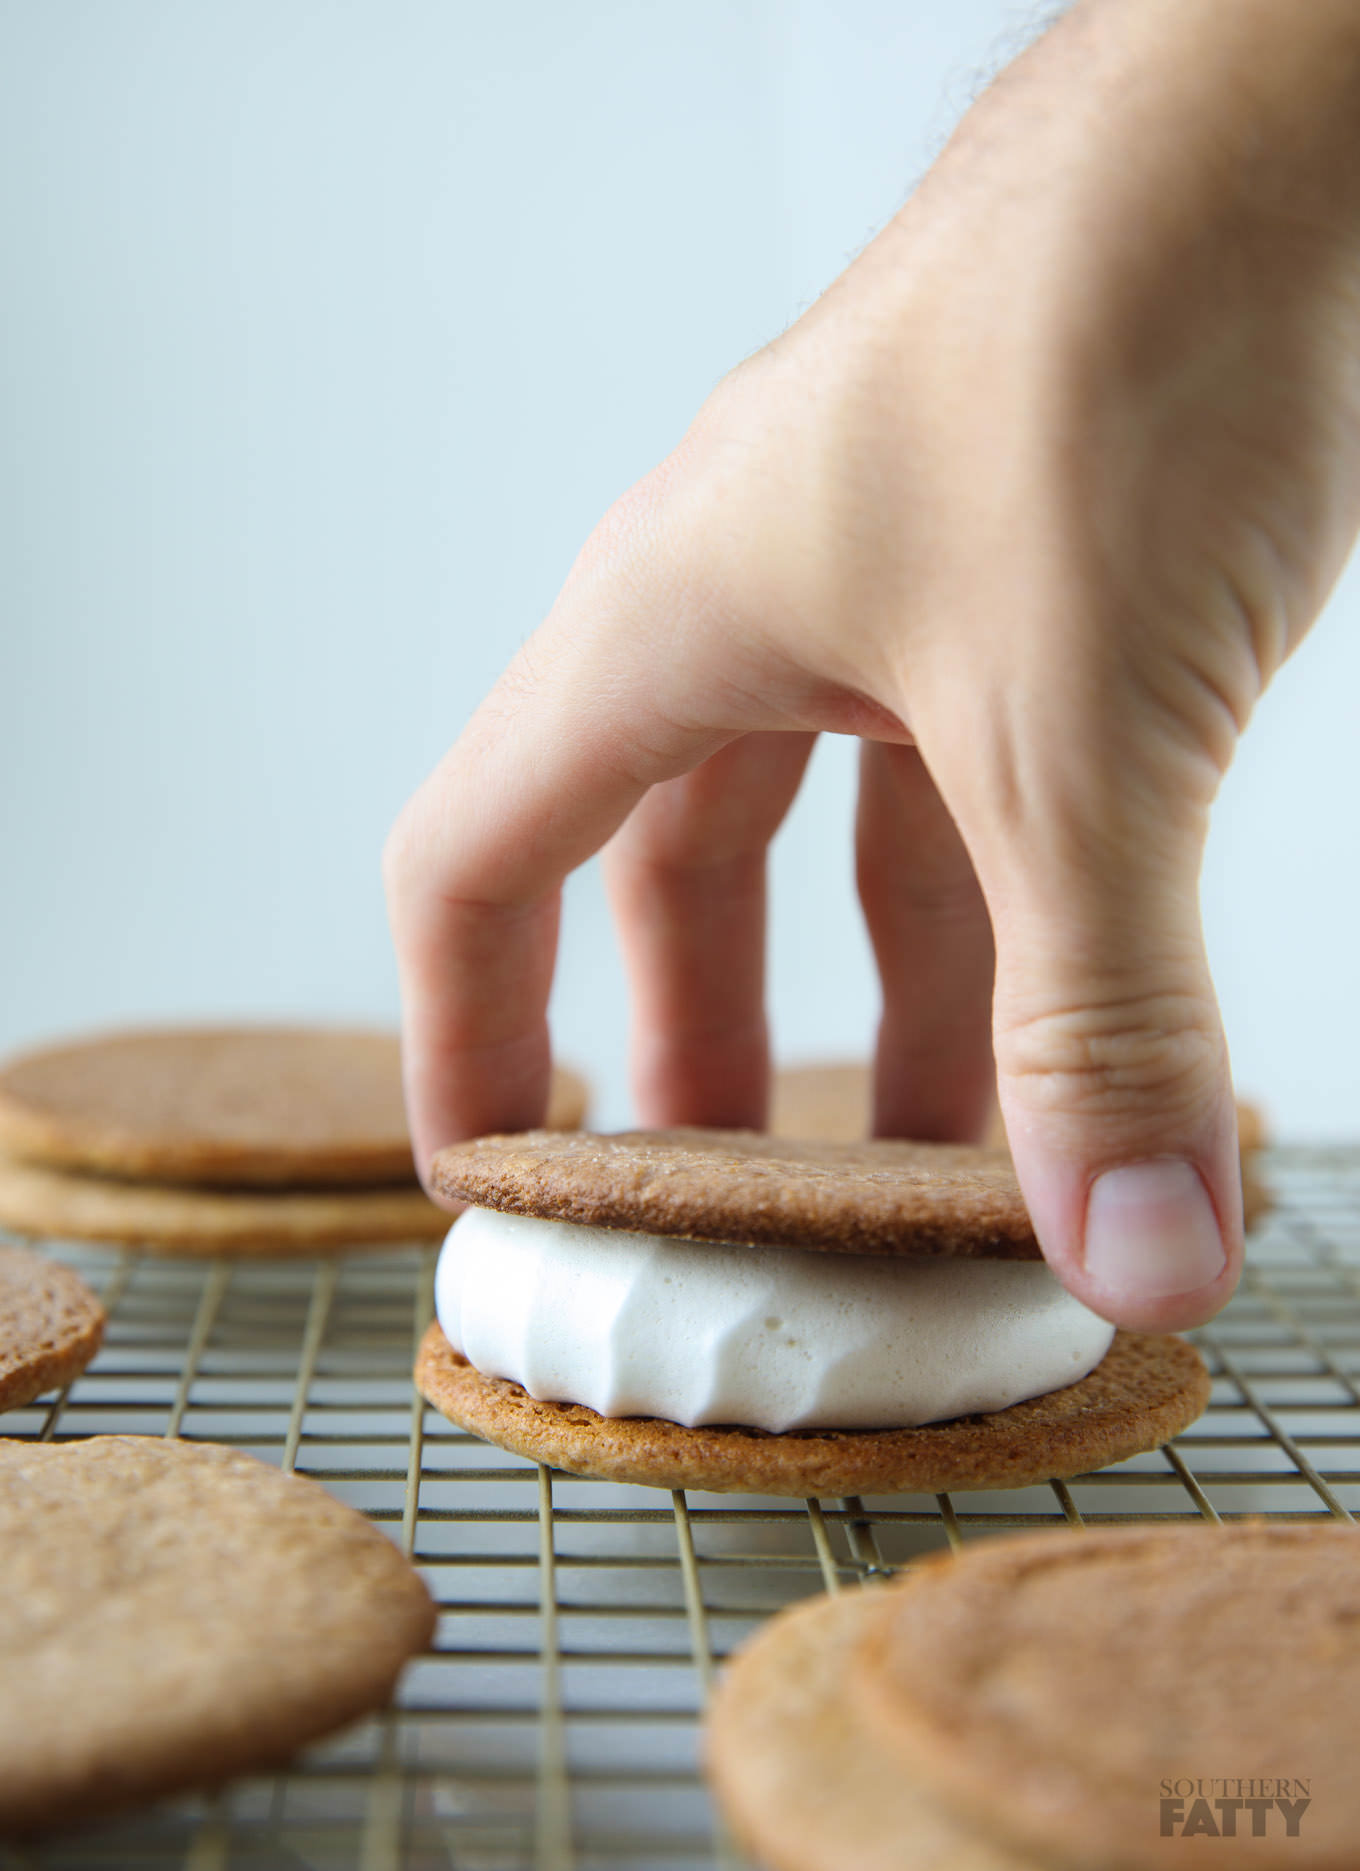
1035,501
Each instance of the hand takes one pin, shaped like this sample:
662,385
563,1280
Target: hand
1034,501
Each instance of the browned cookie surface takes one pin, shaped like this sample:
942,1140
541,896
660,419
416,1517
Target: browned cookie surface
1143,1391
166,1219
51,1325
801,1774
714,1185
1253,1130
251,1106
175,1614
1258,1199
1050,1689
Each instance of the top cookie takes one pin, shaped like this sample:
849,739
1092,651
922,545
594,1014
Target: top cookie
257,1107
1074,1696
734,1185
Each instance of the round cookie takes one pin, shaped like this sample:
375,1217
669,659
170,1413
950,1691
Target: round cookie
800,1772
829,1100
164,1219
254,1107
177,1613
51,1325
832,1099
716,1185
1145,1390
1051,1691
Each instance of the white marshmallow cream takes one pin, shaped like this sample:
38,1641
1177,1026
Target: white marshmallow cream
769,1337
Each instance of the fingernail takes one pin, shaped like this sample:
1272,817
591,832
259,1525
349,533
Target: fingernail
1151,1231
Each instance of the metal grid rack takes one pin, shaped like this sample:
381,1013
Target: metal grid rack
554,1724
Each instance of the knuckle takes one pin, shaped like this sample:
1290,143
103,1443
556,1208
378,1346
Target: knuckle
626,536
1119,1059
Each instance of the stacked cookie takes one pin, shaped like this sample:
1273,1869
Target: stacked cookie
177,1614
1121,1700
246,1141
734,1312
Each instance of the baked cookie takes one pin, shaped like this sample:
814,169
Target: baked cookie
165,1219
828,1099
1060,1700
51,1325
249,1107
1145,1390
175,1614
929,1204
801,1774
740,1185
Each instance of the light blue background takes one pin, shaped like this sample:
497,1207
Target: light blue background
328,329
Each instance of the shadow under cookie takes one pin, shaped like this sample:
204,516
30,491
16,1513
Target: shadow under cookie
1145,1390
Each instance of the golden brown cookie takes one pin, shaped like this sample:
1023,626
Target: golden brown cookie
262,1107
1066,1695
733,1185
1253,1132
829,1100
799,1770
51,1325
1257,1198
165,1219
1047,1701
177,1613
1145,1390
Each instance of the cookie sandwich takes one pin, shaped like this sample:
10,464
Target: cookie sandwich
251,1141
735,1312
1123,1699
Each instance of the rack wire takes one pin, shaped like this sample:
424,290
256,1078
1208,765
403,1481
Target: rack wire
553,1725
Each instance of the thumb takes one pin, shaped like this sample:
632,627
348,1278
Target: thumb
1112,1067
1114,1082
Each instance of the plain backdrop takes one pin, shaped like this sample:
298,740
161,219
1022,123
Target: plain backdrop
328,329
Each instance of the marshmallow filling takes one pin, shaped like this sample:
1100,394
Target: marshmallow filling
771,1338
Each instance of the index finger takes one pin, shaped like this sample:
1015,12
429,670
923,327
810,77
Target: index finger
549,767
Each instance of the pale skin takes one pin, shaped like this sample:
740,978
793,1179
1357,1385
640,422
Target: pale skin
1034,501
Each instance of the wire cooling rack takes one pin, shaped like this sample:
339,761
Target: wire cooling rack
553,1725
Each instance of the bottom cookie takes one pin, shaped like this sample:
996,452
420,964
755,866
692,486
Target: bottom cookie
165,1219
1145,1390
